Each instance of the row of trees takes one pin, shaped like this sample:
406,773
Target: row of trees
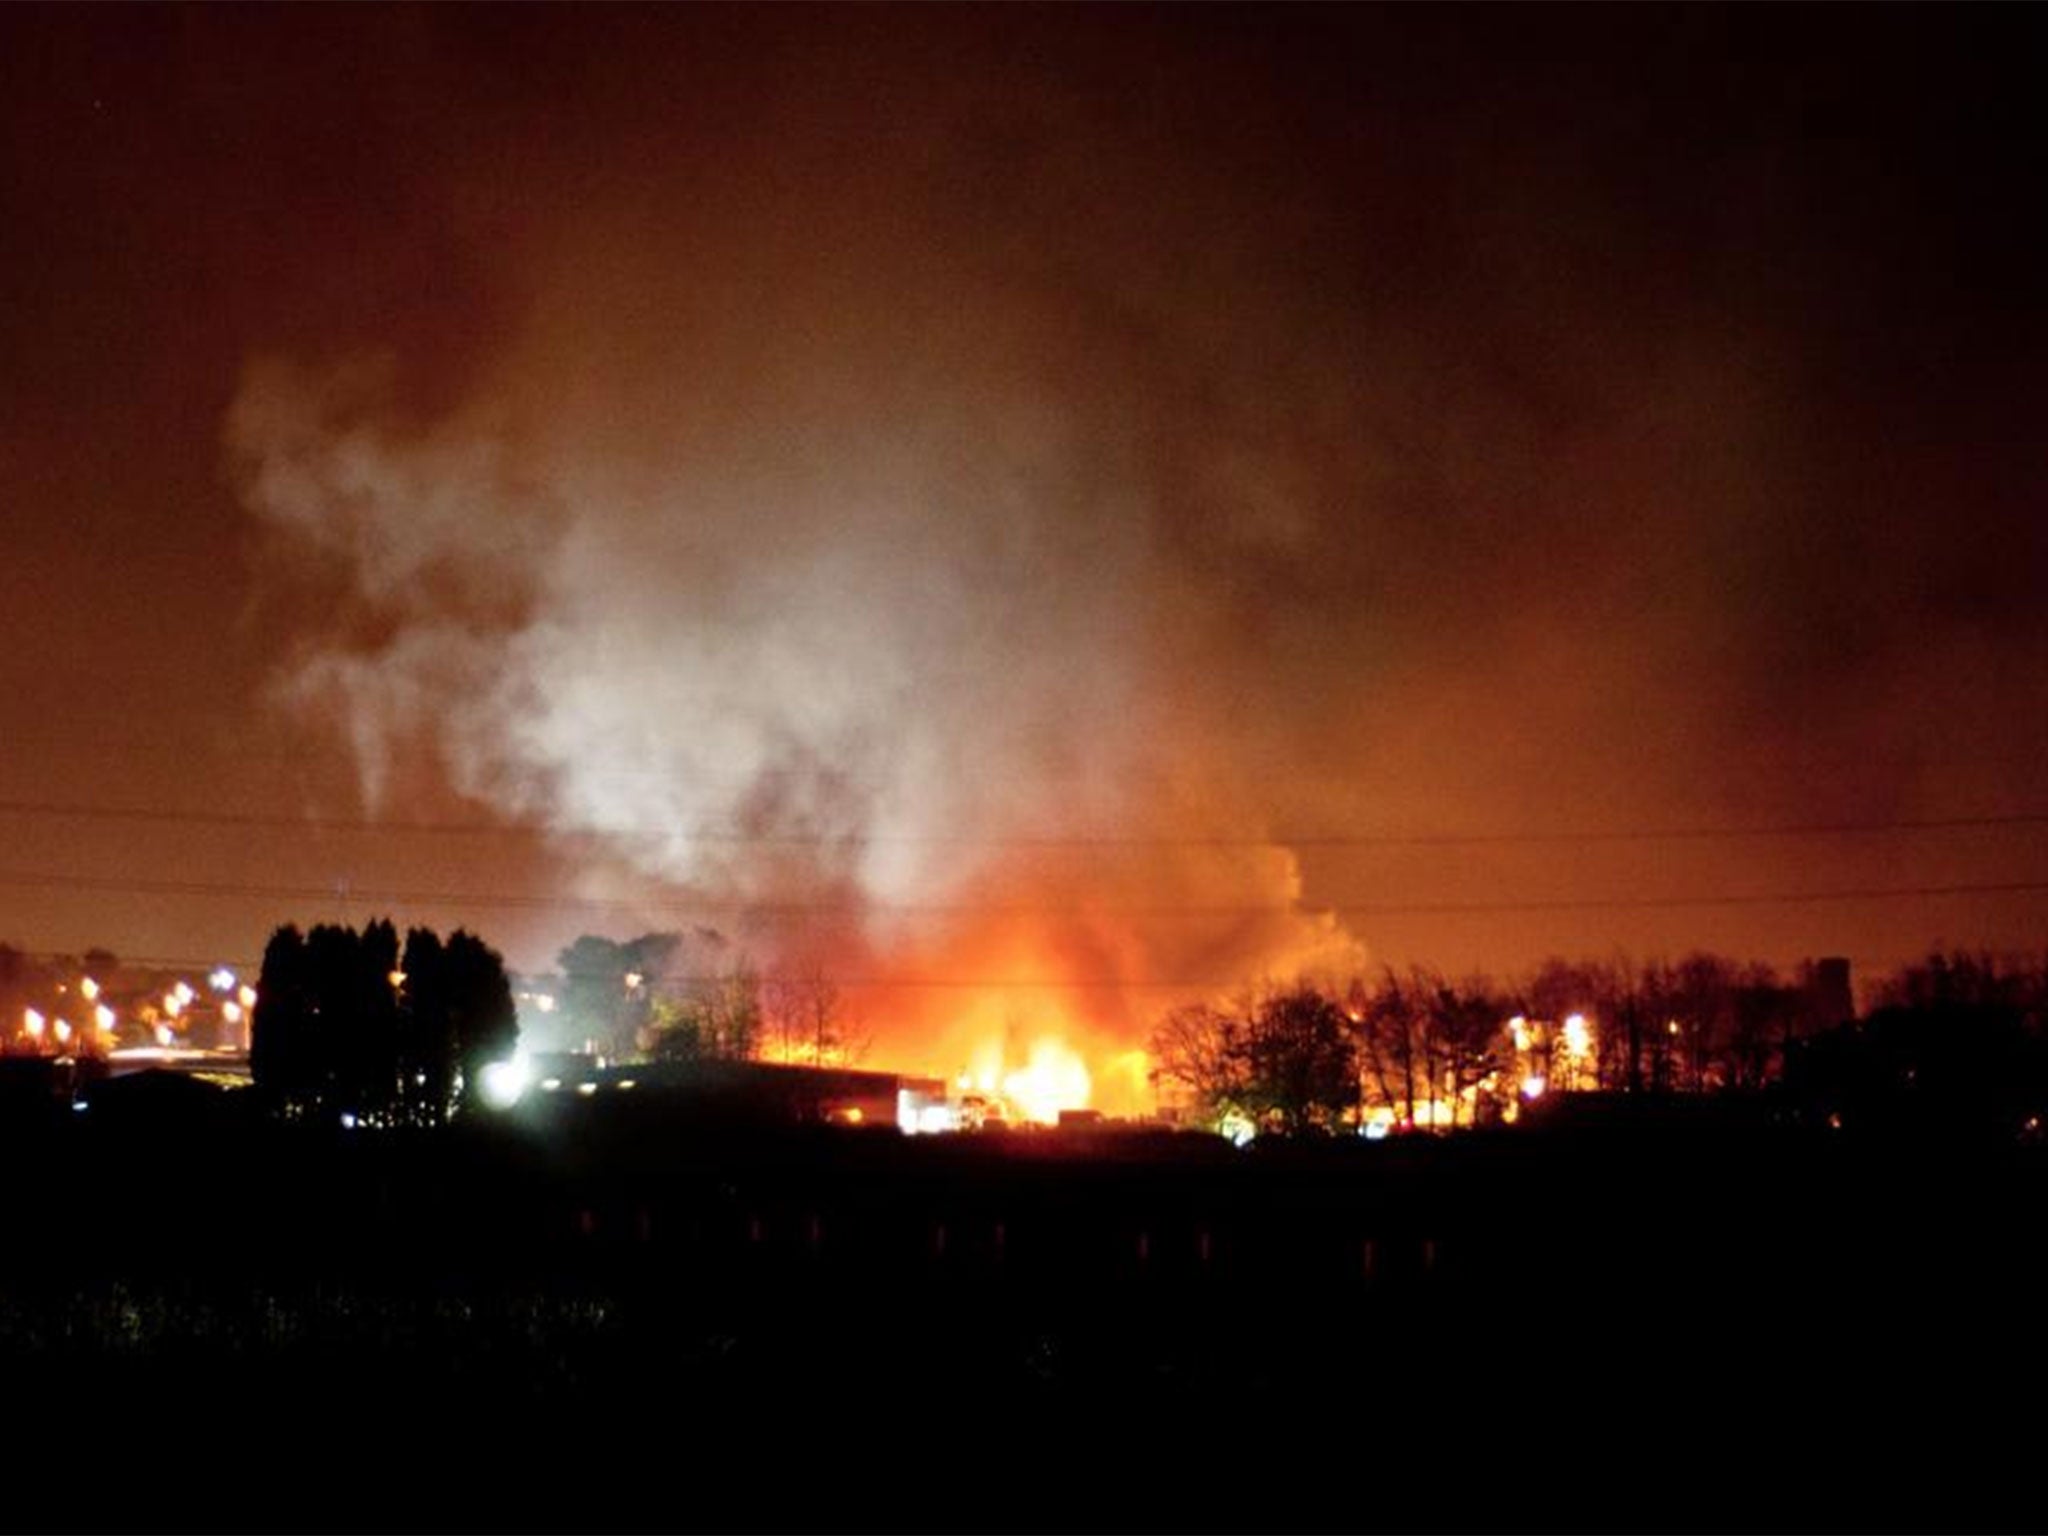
347,1024
1957,1047
1418,1047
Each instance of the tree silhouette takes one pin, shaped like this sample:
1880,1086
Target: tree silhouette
1300,1065
1465,1025
1193,1052
342,1028
1426,1045
1389,1020
800,1006
1286,1061
331,992
426,1037
1957,1048
282,1051
483,1021
366,1033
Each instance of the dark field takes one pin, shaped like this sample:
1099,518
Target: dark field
600,1321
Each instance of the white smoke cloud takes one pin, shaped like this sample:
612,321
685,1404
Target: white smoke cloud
861,692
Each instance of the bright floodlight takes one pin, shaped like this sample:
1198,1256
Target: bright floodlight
221,979
502,1083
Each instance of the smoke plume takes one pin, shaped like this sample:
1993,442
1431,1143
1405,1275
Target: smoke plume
968,514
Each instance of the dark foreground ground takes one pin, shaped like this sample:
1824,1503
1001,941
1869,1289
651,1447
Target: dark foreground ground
604,1321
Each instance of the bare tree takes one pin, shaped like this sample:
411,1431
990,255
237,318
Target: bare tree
1388,1021
1194,1050
800,1009
717,1016
1426,1044
1287,1060
1299,1062
1468,1021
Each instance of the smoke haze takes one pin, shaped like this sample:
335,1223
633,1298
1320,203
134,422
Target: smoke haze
1072,461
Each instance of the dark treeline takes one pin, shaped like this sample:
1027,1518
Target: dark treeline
1956,1046
348,1026
1959,1038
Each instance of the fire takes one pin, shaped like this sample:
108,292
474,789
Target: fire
1123,1083
1052,1078
1047,1029
1578,1037
1040,996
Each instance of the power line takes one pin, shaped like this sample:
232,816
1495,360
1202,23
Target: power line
1739,899
1436,839
372,896
248,969
251,819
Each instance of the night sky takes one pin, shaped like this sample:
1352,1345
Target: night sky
1106,495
